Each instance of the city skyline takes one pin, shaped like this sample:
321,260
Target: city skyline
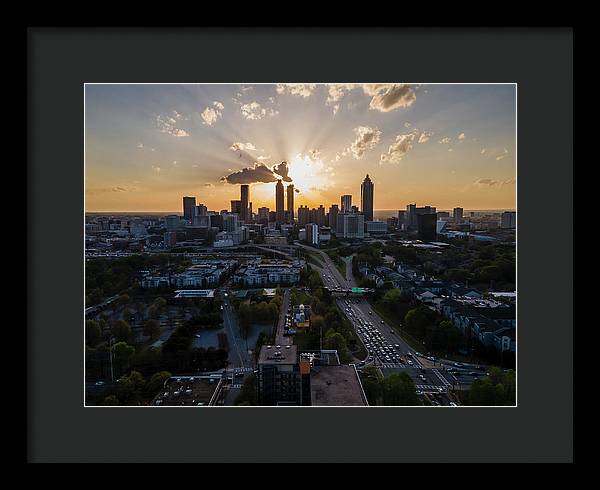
444,145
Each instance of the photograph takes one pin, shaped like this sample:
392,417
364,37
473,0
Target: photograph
300,245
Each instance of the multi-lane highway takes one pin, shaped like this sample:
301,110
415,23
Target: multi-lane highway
386,349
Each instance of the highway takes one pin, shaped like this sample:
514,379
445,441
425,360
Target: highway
387,350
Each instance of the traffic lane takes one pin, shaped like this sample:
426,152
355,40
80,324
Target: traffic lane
362,310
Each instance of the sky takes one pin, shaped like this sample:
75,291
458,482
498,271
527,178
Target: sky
147,146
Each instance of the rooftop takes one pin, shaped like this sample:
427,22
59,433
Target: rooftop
278,354
336,386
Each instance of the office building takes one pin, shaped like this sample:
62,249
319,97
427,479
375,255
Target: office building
279,203
333,214
427,226
458,215
508,220
290,203
366,198
280,376
412,211
172,222
189,204
263,215
231,223
200,210
346,203
350,225
244,200
312,233
236,207
376,227
303,215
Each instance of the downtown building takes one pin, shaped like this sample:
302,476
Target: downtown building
366,198
279,203
350,225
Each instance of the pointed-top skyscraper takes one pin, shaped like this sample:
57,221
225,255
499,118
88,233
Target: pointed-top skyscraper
366,198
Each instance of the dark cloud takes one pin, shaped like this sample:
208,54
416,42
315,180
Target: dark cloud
259,173
297,190
282,170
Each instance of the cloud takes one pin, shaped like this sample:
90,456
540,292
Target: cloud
104,190
398,149
255,111
407,124
140,146
262,157
425,136
494,183
483,150
366,139
335,92
259,173
168,125
461,136
156,169
282,170
243,147
209,185
504,154
450,149
389,96
314,154
211,114
297,89
445,140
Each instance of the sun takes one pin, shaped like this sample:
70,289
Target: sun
310,175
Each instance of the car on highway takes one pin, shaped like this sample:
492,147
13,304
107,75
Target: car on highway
409,362
458,364
452,404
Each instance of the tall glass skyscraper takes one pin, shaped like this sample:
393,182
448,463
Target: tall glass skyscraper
366,198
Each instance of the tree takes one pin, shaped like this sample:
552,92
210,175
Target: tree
110,401
417,320
123,353
335,340
497,389
157,381
399,389
121,331
130,387
152,329
93,332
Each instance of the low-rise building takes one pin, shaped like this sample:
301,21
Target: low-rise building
269,272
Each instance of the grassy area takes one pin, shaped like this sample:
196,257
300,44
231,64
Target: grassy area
395,323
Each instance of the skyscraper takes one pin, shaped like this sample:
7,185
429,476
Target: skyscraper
458,215
333,214
236,207
244,199
290,202
279,207
346,203
366,198
189,205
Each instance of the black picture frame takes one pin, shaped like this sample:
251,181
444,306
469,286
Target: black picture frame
61,429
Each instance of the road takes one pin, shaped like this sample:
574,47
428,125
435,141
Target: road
238,354
281,339
387,350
